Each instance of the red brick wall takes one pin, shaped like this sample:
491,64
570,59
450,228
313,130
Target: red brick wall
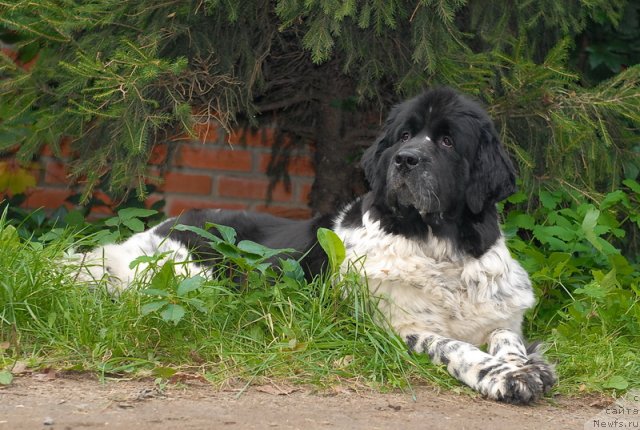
212,171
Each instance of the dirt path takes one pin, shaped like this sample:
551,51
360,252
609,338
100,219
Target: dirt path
81,402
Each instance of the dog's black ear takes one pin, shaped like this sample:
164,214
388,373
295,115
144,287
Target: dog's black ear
492,177
369,162
370,157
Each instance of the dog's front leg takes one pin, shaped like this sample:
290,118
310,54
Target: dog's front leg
508,345
495,377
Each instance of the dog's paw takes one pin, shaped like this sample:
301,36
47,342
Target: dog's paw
521,387
545,371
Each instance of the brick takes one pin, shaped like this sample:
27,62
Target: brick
305,193
235,137
65,148
50,198
215,159
152,199
298,166
206,131
302,166
56,172
159,154
286,212
29,64
100,212
11,53
154,177
176,182
176,206
103,197
251,188
261,137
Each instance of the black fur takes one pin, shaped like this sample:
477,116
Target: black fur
268,230
439,167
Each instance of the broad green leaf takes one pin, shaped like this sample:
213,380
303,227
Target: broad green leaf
621,264
112,222
618,382
164,372
163,279
198,304
525,221
173,313
558,261
263,267
129,213
517,197
5,377
600,286
155,292
588,227
607,281
592,289
197,230
257,250
607,248
261,250
554,235
613,198
227,250
134,224
548,200
333,246
559,220
292,269
635,186
9,236
147,308
146,259
74,218
228,233
189,284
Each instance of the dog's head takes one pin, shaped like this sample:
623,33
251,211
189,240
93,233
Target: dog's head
438,156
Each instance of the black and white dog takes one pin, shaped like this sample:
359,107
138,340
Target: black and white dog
426,237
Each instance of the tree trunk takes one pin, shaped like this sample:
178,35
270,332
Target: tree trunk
335,154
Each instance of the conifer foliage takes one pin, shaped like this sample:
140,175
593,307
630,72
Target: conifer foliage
121,76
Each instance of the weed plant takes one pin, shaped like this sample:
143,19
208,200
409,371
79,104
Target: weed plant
250,321
582,256
245,323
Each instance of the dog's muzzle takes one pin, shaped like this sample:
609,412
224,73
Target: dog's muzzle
410,183
406,160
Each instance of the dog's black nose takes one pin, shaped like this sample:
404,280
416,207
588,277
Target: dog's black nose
406,159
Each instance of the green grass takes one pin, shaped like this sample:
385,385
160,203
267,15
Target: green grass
275,327
271,326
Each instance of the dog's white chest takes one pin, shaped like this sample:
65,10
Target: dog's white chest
426,285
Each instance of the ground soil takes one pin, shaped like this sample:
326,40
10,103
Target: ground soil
72,401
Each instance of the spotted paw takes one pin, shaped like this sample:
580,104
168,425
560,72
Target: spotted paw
521,386
545,371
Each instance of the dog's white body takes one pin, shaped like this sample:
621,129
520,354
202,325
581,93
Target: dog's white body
426,284
112,263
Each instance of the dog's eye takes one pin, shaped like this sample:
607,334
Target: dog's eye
446,141
405,136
